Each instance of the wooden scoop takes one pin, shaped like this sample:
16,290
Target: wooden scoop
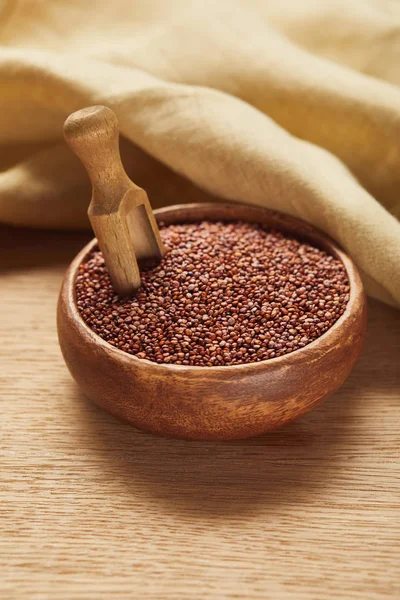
120,211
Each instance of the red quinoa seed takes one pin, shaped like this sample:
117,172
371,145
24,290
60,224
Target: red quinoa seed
226,293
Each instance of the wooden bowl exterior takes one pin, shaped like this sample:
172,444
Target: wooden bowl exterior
214,403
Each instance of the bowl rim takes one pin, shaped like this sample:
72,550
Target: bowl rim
355,295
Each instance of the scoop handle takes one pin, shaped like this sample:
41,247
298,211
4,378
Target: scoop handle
92,133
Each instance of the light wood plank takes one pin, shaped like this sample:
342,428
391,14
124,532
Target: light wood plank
92,508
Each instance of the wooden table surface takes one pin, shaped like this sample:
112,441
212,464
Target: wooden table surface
92,508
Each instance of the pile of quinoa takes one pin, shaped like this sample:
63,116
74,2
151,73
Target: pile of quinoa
226,293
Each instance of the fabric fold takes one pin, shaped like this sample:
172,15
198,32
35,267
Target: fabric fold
213,103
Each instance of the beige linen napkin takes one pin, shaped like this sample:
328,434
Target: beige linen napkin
290,105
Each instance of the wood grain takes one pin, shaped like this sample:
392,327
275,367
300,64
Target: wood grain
120,211
220,402
92,508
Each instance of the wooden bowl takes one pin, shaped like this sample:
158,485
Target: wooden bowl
214,403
